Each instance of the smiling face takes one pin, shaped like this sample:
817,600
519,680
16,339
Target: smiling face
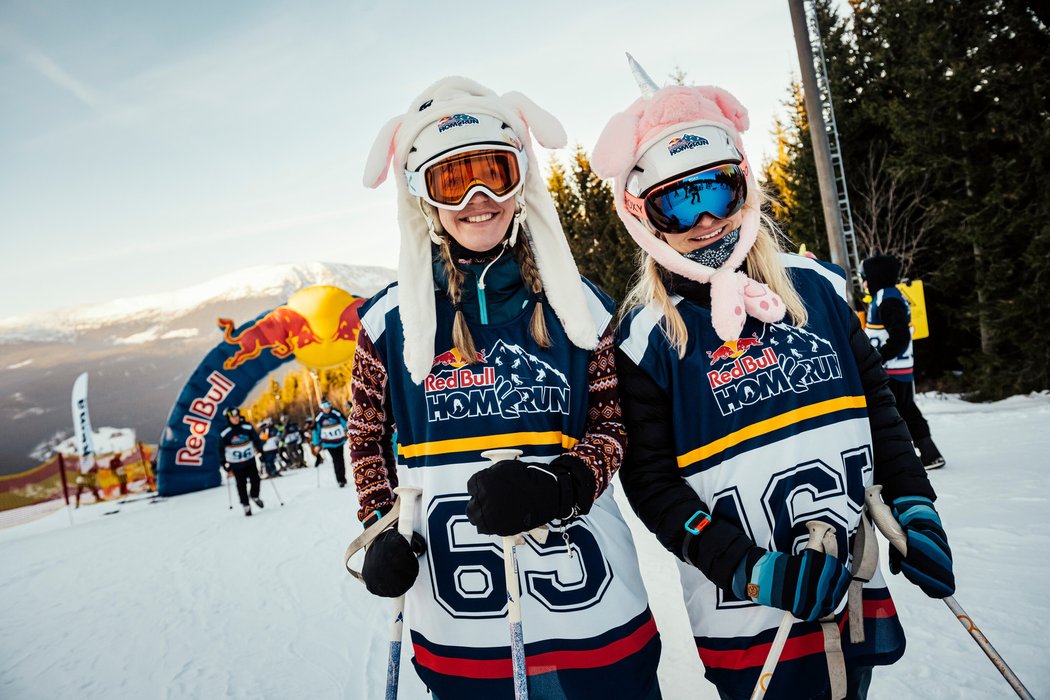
710,230
481,225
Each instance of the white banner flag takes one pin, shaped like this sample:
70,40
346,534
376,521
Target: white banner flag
82,424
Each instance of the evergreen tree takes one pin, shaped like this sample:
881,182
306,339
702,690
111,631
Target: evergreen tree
947,102
604,251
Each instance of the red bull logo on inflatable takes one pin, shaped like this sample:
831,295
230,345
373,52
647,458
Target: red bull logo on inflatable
319,325
199,419
282,332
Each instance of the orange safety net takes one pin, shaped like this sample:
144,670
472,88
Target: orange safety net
38,491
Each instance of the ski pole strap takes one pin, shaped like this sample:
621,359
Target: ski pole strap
865,562
370,533
832,637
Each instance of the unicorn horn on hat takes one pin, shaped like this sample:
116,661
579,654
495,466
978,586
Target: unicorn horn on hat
645,83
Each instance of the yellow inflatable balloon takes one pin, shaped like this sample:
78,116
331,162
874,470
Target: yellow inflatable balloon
332,314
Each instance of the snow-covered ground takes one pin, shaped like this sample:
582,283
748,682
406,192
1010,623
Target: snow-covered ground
185,598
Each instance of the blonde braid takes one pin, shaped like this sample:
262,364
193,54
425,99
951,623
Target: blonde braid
531,275
461,337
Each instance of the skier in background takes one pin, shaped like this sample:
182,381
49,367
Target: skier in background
116,465
292,445
308,432
271,440
88,481
238,445
330,434
889,327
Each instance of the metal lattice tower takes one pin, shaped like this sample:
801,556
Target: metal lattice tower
828,108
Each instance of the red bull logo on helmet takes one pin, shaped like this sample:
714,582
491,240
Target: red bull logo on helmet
685,143
454,120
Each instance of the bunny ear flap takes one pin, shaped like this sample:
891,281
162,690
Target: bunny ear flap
544,126
614,153
382,153
735,112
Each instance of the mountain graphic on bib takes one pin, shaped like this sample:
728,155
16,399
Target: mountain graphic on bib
779,358
508,381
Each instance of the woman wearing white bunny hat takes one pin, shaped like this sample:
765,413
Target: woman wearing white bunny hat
754,403
491,339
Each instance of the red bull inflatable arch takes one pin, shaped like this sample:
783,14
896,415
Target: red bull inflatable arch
317,326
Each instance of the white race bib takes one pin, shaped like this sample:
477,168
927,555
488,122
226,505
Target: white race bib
240,453
332,433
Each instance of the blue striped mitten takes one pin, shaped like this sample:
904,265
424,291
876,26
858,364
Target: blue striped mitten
929,561
809,585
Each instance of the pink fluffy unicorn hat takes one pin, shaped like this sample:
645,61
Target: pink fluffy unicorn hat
649,123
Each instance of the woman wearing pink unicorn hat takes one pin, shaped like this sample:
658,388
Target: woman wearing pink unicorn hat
755,406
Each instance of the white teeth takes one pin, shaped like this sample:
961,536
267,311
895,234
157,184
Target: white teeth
710,235
480,218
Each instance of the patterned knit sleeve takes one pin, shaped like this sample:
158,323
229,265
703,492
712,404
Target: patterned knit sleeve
371,429
605,438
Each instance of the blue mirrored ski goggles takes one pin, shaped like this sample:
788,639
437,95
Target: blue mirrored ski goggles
678,205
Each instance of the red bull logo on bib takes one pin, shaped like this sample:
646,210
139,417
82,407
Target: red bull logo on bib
792,359
507,381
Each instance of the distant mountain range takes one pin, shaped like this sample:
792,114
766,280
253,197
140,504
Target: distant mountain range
139,352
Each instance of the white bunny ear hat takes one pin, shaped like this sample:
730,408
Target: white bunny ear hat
642,132
456,97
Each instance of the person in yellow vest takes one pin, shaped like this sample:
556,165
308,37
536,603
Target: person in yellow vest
88,480
888,327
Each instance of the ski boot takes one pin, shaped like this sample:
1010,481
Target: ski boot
929,454
258,502
247,510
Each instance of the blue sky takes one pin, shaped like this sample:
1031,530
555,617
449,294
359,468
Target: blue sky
146,146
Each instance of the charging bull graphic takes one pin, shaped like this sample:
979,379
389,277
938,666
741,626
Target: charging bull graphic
282,331
318,326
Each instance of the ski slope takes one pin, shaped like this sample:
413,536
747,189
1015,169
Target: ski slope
185,598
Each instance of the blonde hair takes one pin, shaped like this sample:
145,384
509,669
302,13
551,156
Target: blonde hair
530,274
762,264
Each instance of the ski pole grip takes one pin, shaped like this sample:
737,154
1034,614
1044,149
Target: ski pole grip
884,520
407,517
817,532
501,454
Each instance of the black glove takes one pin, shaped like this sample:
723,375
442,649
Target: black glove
511,497
391,564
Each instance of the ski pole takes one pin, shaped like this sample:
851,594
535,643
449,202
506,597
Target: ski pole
891,530
817,532
278,493
406,496
510,572
229,493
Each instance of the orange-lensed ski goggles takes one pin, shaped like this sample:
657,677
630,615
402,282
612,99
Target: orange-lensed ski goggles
496,170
